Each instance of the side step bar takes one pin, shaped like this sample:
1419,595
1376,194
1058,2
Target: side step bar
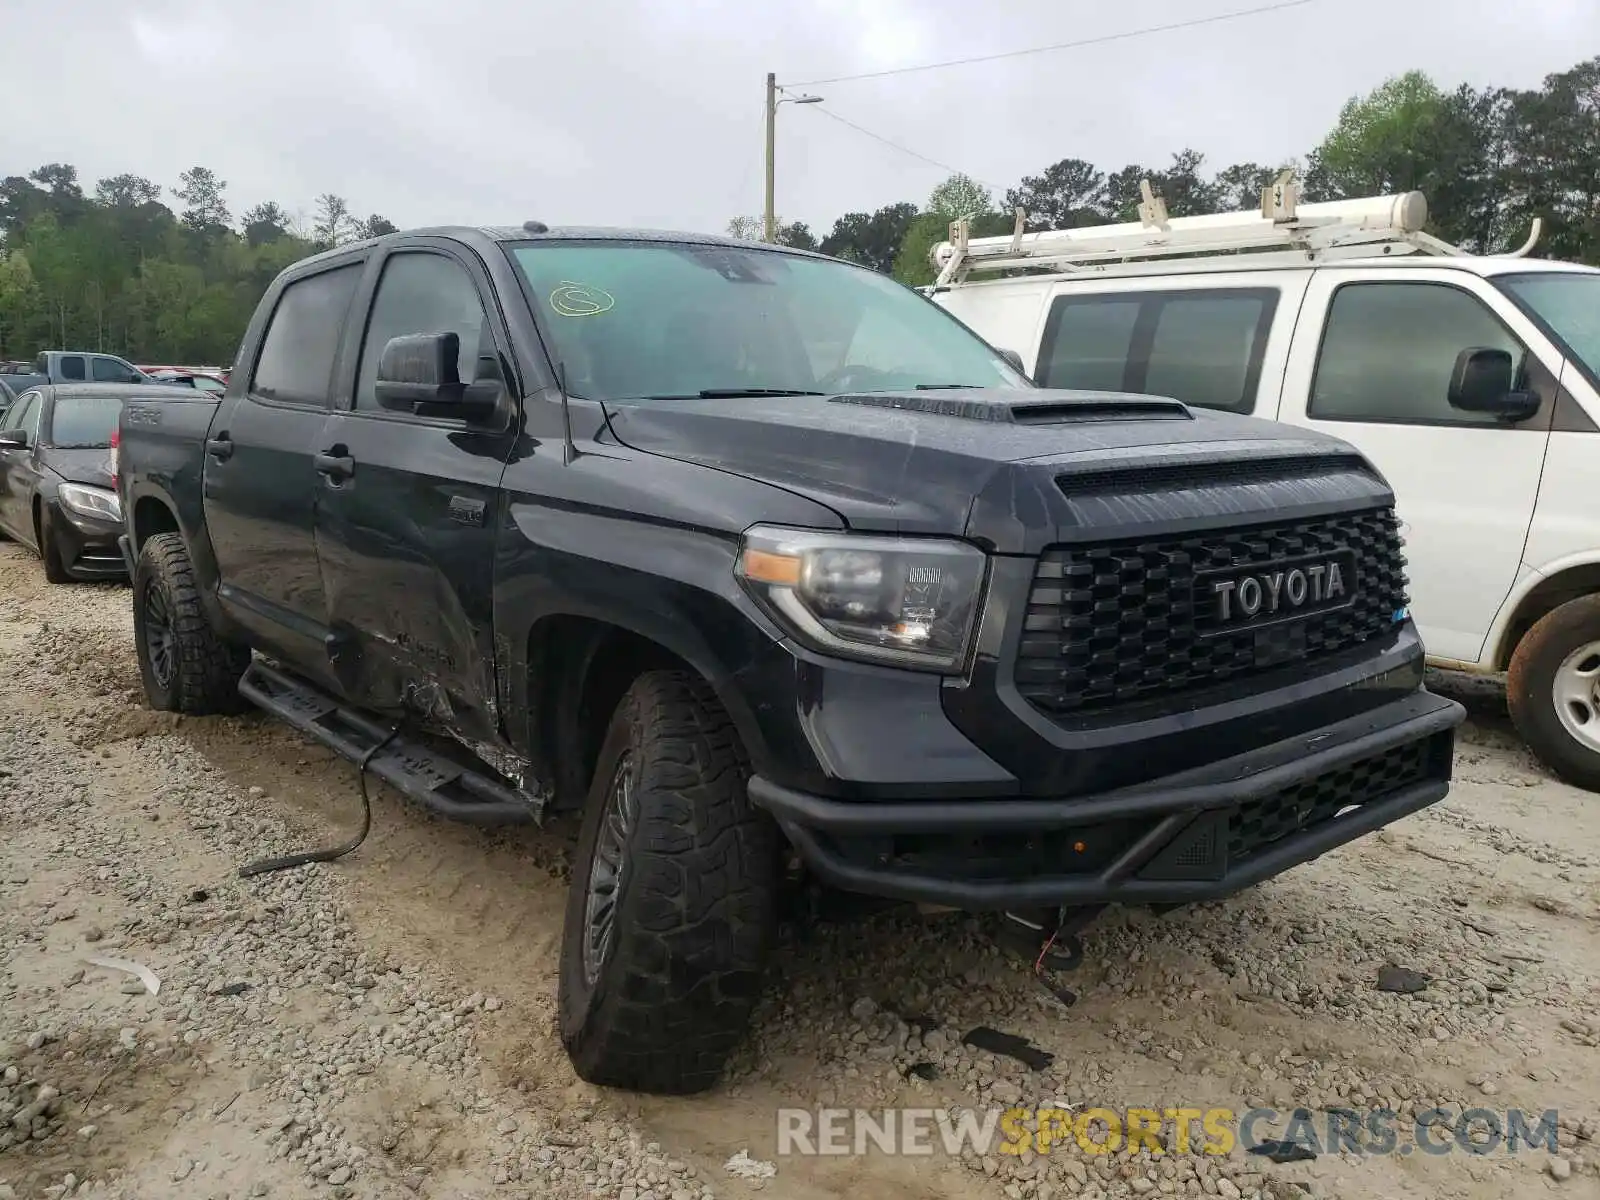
419,772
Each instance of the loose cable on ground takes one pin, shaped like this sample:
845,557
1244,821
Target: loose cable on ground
263,866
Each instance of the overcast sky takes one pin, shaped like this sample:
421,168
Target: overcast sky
649,112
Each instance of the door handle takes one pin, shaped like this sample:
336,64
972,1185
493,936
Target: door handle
336,466
220,447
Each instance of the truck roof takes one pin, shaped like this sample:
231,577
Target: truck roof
499,234
1487,266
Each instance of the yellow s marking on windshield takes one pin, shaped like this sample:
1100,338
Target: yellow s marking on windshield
571,299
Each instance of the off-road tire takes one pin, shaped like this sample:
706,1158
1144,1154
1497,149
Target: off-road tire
55,570
1530,685
205,673
695,903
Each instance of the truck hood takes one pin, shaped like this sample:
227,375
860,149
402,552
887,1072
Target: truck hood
90,466
991,464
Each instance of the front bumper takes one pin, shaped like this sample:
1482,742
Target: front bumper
1193,835
88,546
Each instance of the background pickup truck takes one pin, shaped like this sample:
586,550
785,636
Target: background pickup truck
76,366
755,558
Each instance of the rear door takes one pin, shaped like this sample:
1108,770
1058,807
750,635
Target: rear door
1219,341
1371,363
261,487
408,506
16,469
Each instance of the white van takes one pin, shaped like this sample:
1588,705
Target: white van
1472,382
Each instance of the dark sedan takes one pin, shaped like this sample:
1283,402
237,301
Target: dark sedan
57,480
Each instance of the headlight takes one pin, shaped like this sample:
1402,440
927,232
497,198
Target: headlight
907,601
90,501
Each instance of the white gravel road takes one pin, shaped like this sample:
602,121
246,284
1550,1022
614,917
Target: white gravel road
384,1026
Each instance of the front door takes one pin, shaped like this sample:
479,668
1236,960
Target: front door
1371,363
18,473
260,485
409,508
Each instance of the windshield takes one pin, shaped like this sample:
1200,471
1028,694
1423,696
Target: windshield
631,320
84,421
1568,306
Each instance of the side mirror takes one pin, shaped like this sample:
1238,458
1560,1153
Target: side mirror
417,373
13,439
1484,380
1015,359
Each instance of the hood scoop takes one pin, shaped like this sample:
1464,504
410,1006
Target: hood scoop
1061,408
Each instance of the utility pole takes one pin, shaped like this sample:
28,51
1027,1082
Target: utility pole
769,217
769,213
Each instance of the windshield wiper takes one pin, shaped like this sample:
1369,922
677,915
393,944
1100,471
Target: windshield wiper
948,387
735,393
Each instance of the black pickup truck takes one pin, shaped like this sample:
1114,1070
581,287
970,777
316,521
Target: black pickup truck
774,570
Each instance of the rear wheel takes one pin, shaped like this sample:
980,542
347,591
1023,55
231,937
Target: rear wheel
55,570
1553,690
184,665
672,909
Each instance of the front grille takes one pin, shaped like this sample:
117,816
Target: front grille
1256,825
1120,624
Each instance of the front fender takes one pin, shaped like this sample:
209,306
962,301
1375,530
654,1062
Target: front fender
672,586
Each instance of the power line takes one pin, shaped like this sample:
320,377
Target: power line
1094,41
878,137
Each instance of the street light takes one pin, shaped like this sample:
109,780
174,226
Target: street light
770,219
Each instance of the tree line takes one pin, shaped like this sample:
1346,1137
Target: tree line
122,271
1488,160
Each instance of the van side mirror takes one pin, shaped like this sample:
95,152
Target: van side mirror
417,373
13,439
1484,381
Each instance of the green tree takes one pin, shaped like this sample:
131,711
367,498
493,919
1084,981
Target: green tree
375,226
201,193
959,196
333,223
265,222
127,191
1553,167
1068,194
871,239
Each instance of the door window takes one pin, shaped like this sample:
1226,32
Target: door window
1203,347
423,293
296,361
1389,349
18,416
109,370
72,366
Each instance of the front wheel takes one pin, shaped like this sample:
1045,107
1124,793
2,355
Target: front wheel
672,909
184,665
1553,690
55,571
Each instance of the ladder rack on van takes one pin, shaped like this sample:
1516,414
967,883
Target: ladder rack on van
1283,233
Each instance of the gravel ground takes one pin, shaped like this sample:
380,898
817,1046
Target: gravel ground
384,1026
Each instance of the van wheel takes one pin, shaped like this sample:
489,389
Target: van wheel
1553,690
185,666
49,552
672,909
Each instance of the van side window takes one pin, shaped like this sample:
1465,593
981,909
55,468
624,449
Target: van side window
1203,347
1086,343
296,360
1207,348
1389,348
